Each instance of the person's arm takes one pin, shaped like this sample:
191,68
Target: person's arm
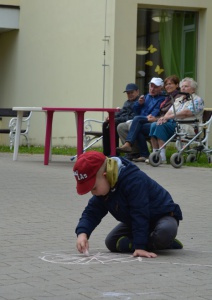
186,112
144,253
90,219
82,243
139,105
126,112
156,109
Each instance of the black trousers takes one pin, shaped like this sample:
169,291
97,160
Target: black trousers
106,138
161,235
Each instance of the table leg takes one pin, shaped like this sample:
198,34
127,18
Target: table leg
17,134
112,133
80,127
48,136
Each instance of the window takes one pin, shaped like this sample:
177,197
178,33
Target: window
166,45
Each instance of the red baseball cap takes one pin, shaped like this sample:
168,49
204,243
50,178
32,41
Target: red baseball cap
85,169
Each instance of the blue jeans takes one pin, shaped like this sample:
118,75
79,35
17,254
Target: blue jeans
139,130
161,235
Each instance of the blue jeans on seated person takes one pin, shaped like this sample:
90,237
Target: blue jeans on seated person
161,236
139,130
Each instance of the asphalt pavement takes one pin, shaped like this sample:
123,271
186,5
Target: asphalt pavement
39,212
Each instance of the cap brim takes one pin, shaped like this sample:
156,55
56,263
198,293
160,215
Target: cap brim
85,187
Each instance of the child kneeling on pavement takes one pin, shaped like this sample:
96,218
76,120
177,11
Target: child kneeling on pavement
148,216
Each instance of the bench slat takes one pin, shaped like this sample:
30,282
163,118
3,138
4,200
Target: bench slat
95,133
8,112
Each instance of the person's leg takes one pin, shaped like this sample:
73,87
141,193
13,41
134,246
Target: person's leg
160,134
141,139
154,142
117,137
123,129
163,234
163,150
119,239
106,138
135,128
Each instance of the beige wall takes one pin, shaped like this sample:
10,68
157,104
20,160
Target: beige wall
124,52
10,2
56,57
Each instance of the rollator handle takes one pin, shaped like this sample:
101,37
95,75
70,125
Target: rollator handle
186,94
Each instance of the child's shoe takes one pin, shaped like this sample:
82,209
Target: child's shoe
176,244
124,244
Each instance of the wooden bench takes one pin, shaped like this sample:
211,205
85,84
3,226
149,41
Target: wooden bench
11,129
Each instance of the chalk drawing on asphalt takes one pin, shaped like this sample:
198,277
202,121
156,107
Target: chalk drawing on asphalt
99,256
65,257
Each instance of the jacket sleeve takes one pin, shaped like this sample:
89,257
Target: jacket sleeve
126,113
156,110
137,108
91,216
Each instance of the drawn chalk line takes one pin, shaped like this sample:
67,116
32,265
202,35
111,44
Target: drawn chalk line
105,258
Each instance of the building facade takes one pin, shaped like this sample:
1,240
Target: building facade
81,53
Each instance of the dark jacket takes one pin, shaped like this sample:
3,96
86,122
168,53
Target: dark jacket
126,113
136,201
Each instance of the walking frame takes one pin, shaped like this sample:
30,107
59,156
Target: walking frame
183,141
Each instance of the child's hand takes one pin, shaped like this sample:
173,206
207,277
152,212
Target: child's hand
82,243
144,253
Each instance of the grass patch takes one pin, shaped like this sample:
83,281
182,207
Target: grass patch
71,151
202,160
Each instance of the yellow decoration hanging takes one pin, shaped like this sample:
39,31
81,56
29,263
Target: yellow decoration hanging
149,63
159,70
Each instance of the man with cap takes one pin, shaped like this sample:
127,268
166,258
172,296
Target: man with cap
125,114
148,217
147,107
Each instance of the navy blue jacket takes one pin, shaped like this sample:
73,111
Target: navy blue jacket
150,106
137,200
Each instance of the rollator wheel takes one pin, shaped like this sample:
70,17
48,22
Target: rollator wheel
155,159
176,160
191,158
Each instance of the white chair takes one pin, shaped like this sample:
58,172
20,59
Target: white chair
24,130
92,133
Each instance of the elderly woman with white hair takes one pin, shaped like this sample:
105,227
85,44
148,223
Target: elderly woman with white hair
164,128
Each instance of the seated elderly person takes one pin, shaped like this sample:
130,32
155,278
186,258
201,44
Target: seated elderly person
148,105
126,113
164,128
140,128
